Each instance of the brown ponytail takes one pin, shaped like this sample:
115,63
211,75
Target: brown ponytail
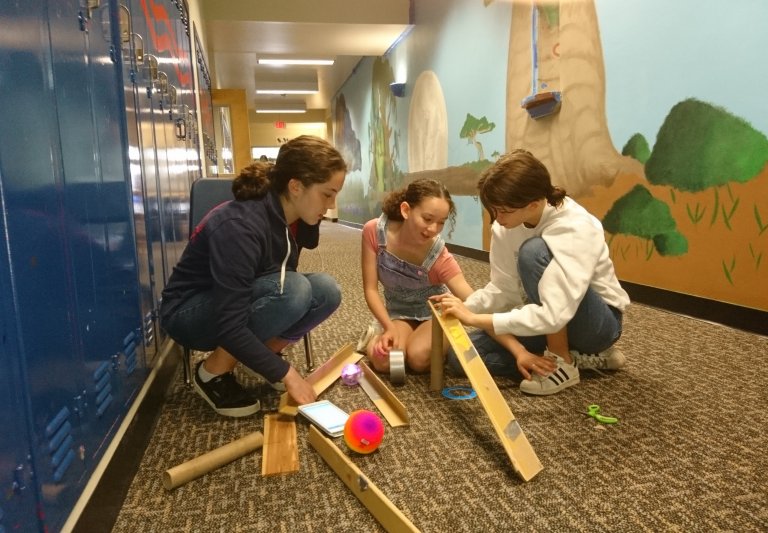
253,181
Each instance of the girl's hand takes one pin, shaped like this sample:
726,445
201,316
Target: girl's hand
528,364
450,305
299,389
391,339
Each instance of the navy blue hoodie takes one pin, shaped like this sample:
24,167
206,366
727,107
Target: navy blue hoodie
235,243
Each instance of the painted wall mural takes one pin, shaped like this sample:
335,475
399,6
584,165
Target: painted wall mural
656,144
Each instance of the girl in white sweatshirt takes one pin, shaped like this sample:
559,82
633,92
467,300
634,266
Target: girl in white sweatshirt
553,304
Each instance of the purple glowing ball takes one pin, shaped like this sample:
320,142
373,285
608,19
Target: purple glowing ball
351,374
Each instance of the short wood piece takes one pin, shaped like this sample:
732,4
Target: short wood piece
437,359
383,398
322,378
382,509
210,461
519,450
281,453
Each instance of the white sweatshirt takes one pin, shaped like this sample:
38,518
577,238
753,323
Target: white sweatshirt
580,260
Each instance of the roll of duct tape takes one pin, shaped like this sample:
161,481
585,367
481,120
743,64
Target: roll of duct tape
397,367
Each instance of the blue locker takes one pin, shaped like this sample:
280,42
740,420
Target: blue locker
94,181
20,502
73,291
160,113
141,161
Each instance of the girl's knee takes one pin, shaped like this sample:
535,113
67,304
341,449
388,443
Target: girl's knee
419,359
326,289
297,291
532,254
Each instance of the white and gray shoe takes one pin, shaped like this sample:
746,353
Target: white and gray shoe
373,329
610,359
564,376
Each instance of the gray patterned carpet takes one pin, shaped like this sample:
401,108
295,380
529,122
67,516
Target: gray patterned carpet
689,452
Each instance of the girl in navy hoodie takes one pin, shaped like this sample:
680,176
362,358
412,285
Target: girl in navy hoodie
235,289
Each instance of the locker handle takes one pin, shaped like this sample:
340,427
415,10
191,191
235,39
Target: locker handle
162,82
149,72
90,6
181,129
125,24
138,48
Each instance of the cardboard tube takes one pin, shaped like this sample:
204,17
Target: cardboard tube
194,468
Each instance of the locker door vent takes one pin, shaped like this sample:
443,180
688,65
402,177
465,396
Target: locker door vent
149,328
102,379
129,349
59,436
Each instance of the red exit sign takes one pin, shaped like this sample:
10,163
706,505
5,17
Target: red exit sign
280,125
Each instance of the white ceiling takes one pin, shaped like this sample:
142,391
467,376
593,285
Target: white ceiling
343,30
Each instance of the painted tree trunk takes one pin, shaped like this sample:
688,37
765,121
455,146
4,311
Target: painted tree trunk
574,142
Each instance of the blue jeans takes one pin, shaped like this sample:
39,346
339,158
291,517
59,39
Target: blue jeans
595,327
307,300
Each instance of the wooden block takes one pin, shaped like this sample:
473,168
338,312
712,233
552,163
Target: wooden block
383,398
323,377
437,360
382,509
281,452
519,450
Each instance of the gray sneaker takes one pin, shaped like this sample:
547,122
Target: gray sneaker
564,376
373,329
610,359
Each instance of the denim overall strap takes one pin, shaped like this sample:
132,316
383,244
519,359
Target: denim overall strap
434,253
406,286
381,232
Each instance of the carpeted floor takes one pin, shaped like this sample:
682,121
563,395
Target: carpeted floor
689,452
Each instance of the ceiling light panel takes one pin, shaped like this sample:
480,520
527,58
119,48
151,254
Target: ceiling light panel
276,60
281,107
286,87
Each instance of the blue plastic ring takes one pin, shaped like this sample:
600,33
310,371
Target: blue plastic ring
464,393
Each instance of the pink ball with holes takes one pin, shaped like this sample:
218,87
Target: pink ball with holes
363,431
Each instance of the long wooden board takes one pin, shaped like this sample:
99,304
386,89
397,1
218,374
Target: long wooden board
382,509
383,398
323,377
520,452
281,452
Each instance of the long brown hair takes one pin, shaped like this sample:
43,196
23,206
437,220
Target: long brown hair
516,180
306,158
414,193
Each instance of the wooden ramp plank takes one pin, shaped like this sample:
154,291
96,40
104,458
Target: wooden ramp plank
382,509
383,398
281,452
519,450
323,377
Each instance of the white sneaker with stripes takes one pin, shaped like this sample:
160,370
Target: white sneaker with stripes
564,376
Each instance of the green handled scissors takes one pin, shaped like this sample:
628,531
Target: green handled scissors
594,411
